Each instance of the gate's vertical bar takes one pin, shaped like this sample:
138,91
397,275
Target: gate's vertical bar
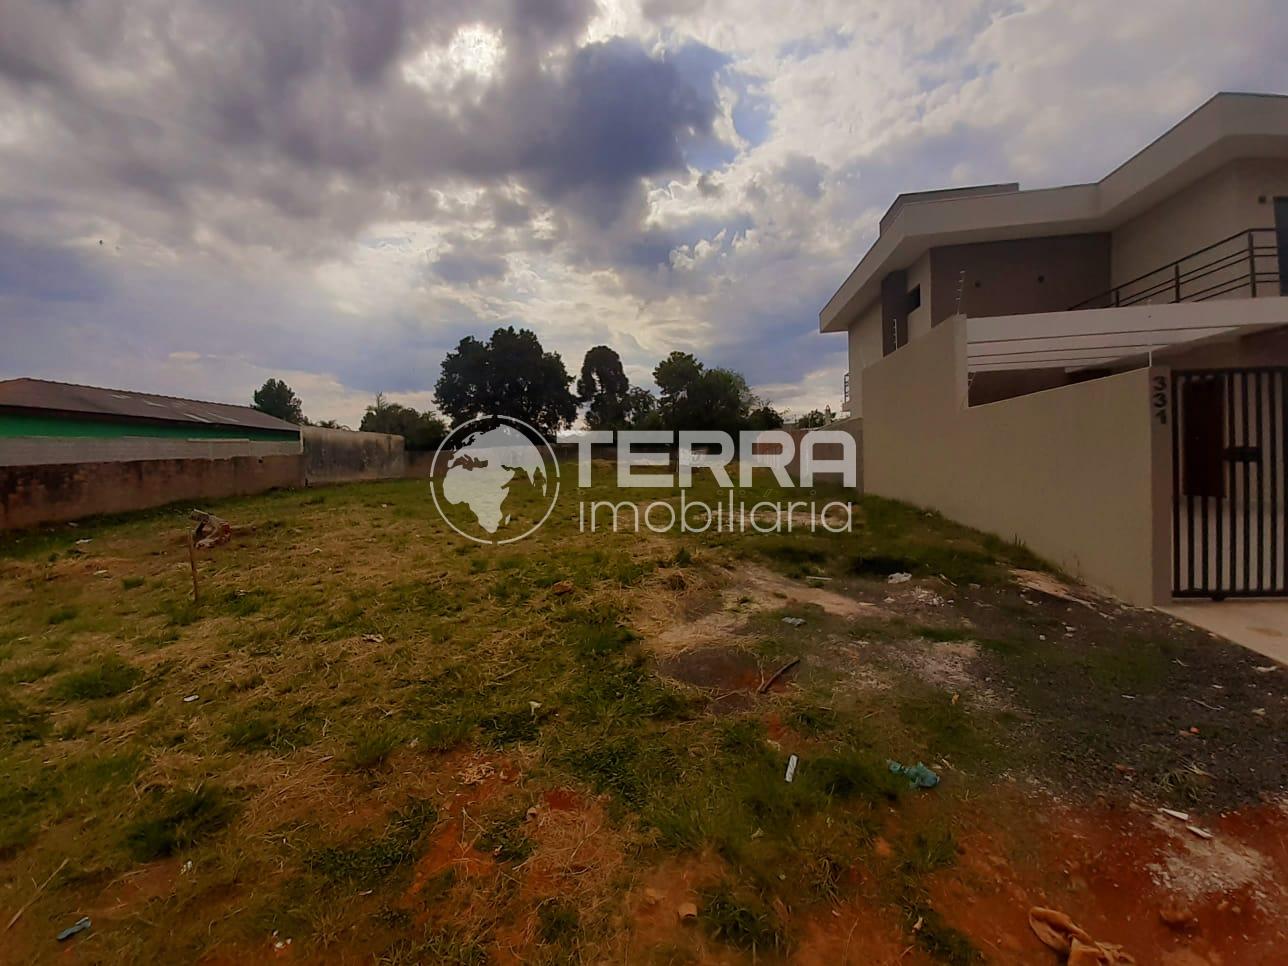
1259,402
1233,580
1274,387
1281,462
1244,442
1176,489
1203,499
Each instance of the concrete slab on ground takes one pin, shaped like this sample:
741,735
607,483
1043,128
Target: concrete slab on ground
1259,625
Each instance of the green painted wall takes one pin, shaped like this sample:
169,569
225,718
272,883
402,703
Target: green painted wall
21,425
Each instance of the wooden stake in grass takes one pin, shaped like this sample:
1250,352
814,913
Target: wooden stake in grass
192,562
17,915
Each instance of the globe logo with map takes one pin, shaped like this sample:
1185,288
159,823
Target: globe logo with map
501,479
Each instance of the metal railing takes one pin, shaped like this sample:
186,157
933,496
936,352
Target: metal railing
1244,262
845,390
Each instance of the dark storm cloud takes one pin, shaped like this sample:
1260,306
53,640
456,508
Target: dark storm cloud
618,116
465,266
293,121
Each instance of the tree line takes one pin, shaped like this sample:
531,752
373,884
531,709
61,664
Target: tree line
512,374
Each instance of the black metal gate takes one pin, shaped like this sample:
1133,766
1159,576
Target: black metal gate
1229,438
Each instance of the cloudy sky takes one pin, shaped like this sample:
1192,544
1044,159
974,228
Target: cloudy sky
197,195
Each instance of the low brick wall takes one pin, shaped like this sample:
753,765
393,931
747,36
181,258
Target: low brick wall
52,493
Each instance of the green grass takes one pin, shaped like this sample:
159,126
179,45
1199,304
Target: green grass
741,919
178,821
373,859
344,692
103,676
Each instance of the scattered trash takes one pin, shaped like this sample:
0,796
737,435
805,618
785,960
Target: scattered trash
101,573
791,769
186,869
916,926
373,638
80,925
84,540
532,814
814,577
794,621
1062,934
211,531
687,912
533,706
1258,668
899,578
1200,832
773,678
924,595
190,698
561,588
1179,816
1259,712
918,774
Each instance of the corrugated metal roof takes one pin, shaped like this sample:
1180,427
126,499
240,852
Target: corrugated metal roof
66,397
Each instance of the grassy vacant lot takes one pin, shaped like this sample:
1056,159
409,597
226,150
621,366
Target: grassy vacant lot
375,741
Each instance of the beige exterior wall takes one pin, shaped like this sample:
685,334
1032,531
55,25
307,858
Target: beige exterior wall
1071,471
865,349
1216,206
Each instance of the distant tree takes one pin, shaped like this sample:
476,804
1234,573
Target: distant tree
604,385
329,424
695,397
278,399
420,431
509,375
764,417
641,409
815,418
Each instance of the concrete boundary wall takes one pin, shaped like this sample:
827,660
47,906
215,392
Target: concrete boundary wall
346,456
52,493
1074,472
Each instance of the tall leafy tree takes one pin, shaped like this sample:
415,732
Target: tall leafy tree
604,385
419,430
509,375
278,399
695,397
641,409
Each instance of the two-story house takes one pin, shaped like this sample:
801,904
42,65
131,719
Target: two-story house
1099,370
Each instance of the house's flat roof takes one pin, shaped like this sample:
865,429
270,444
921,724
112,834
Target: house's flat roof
1229,126
63,397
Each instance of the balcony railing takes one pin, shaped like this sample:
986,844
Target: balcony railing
845,390
1246,262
